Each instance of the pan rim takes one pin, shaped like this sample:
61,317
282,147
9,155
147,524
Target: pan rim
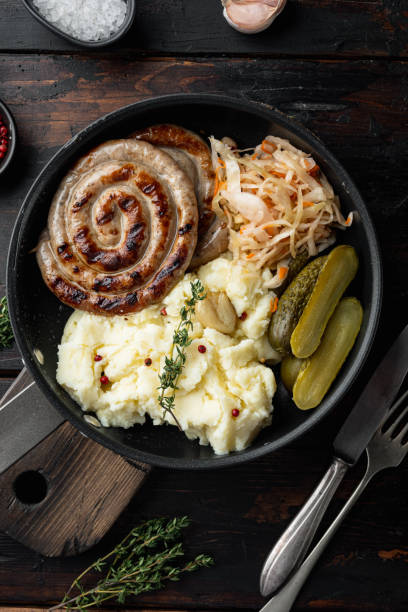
251,453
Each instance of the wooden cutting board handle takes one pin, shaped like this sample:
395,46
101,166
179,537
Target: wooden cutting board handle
62,496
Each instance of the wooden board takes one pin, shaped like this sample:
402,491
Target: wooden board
86,487
60,496
306,27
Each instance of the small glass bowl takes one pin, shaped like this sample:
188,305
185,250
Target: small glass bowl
124,28
8,121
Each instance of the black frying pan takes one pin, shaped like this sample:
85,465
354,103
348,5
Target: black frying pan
38,318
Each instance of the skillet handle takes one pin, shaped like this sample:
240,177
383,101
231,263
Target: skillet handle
26,418
60,492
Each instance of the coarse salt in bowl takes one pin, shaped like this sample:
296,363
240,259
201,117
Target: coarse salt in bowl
90,23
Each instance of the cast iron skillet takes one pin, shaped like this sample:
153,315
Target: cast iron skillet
38,318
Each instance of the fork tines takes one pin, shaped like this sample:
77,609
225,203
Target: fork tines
391,425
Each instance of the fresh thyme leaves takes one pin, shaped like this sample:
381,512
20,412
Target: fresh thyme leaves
141,562
173,365
6,333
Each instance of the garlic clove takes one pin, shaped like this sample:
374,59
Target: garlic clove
252,16
217,312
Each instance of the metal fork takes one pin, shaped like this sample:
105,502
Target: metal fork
385,450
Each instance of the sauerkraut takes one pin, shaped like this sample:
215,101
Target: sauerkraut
277,202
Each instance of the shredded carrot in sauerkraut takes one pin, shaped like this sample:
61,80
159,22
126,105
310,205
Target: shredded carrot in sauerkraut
277,202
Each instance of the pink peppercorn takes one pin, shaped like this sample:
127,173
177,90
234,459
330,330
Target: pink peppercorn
98,358
104,379
163,312
235,412
148,361
201,348
243,316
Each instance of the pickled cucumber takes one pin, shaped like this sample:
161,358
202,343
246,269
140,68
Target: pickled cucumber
318,371
291,305
337,273
295,265
289,371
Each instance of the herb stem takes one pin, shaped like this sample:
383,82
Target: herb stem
6,333
78,578
143,561
173,366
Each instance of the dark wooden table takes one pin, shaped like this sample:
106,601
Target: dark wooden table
341,68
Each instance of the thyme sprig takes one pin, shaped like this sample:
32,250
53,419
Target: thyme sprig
174,364
142,562
6,333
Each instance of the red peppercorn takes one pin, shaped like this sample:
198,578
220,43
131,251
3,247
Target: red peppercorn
243,316
104,379
148,361
98,358
235,412
201,348
4,143
163,312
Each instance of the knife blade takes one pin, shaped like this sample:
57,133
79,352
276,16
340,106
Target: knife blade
374,402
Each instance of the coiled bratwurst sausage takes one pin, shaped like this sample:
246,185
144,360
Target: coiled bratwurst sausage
121,230
193,155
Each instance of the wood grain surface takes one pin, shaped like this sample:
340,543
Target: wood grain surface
358,108
339,67
37,609
87,486
237,514
306,27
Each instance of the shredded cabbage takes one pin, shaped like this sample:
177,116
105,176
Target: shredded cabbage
277,202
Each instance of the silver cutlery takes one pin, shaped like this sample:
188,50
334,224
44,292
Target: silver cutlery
387,449
349,444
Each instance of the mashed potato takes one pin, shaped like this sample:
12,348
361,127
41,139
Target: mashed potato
228,375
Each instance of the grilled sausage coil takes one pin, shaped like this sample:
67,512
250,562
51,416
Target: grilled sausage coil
121,230
194,157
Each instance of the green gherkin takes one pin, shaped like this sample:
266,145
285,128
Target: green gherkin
295,266
335,276
289,370
319,371
291,305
